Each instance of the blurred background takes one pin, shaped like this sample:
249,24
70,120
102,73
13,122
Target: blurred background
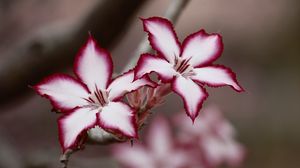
262,46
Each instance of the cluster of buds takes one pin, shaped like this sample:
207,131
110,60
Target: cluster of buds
94,105
208,143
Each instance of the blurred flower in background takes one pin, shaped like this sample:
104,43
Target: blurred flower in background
212,136
209,142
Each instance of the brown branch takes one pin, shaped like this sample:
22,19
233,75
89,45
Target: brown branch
64,158
46,51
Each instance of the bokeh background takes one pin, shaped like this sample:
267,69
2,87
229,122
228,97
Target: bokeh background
262,46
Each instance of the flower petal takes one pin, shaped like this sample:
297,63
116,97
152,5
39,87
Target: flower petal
162,37
118,117
125,83
192,94
159,138
74,123
202,48
64,92
93,65
149,63
215,76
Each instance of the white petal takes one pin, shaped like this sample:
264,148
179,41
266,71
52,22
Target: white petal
159,138
162,37
64,92
71,125
93,66
124,84
202,48
192,95
216,76
118,117
148,63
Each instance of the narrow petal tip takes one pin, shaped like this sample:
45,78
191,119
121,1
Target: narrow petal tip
192,94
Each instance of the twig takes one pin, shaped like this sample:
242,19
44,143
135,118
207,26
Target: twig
172,13
64,158
48,49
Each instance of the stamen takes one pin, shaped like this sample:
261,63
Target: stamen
102,98
91,100
88,100
97,98
182,66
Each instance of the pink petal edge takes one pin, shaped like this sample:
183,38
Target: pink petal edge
148,82
80,54
47,79
61,134
230,73
151,37
102,124
185,102
202,32
141,63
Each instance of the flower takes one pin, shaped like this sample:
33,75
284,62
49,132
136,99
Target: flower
213,135
188,66
208,143
160,149
92,99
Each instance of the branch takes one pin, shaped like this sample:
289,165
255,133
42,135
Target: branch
48,50
64,158
172,13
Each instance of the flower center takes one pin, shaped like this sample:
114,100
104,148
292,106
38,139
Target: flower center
183,67
98,98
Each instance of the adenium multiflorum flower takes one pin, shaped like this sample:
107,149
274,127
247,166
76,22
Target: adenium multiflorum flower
214,135
187,66
92,99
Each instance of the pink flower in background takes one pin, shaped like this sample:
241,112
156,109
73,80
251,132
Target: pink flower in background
208,143
214,135
92,98
159,151
187,66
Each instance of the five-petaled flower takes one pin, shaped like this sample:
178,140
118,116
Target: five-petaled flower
92,99
188,66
